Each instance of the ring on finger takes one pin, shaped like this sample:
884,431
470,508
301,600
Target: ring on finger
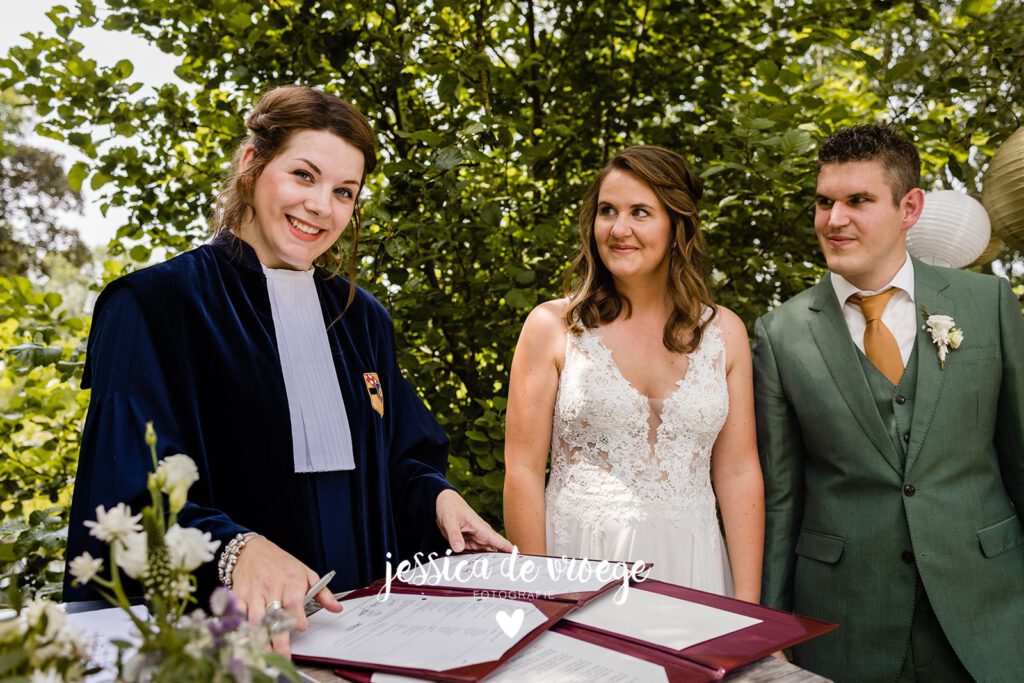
273,605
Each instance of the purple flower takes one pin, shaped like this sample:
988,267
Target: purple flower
227,616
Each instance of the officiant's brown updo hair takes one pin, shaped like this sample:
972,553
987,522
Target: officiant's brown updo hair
593,298
279,114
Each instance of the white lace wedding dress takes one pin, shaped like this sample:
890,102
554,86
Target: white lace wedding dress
630,475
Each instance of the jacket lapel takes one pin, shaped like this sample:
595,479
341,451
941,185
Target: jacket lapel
832,335
928,287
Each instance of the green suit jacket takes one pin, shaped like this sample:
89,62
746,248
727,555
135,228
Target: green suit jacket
847,522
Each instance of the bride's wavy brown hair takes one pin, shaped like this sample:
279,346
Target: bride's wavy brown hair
593,299
277,116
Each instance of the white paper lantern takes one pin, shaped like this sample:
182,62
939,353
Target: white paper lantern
953,230
1003,190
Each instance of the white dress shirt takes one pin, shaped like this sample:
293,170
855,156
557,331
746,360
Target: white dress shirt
321,439
900,314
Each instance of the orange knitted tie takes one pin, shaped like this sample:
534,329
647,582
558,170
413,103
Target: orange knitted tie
879,344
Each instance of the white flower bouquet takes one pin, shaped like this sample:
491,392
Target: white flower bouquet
160,555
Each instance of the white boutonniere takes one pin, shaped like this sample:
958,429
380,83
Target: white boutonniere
944,335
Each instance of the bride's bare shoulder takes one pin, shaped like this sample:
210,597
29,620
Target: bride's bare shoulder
545,329
551,313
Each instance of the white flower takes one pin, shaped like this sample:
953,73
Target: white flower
130,554
189,548
49,676
181,587
175,475
113,524
220,600
942,323
956,337
37,610
85,567
944,335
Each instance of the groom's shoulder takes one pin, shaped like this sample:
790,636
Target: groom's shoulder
797,307
963,283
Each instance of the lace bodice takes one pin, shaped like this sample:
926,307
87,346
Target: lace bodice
616,452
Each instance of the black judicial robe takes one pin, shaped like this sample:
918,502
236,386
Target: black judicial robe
189,344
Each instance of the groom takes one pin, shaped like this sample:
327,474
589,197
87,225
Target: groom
894,481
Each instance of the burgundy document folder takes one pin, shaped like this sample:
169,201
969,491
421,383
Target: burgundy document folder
707,661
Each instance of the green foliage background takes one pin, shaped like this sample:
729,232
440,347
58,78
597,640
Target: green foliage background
492,118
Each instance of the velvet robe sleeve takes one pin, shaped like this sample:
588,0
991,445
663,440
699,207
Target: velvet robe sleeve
129,389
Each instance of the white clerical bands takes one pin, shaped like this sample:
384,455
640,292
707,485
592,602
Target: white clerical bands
228,558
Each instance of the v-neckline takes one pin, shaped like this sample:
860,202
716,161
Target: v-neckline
618,371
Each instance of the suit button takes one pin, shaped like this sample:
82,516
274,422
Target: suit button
906,437
907,557
901,399
909,490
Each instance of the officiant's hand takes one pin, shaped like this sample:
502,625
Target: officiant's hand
464,528
264,574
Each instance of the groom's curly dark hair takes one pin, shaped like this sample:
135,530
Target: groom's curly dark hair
876,142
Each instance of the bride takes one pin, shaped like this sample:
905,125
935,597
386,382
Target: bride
641,389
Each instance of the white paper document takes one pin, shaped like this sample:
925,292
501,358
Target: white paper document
418,631
100,627
556,657
660,619
517,574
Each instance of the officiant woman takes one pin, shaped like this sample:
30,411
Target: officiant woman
277,375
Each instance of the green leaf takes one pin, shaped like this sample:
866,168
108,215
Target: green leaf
490,214
112,269
523,277
900,70
977,8
98,180
139,253
77,174
32,354
427,136
448,158
124,68
796,143
240,20
521,298
495,480
53,299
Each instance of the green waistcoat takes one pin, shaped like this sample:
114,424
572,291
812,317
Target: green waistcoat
895,404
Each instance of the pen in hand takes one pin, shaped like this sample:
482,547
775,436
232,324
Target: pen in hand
317,587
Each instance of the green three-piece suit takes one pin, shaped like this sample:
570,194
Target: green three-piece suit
868,485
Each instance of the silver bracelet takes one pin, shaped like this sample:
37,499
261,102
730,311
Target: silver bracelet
228,558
